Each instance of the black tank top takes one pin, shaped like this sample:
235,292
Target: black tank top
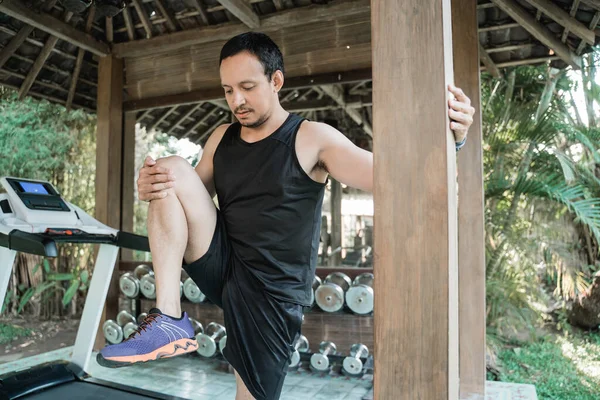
271,209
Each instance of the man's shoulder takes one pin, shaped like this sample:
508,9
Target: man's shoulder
215,137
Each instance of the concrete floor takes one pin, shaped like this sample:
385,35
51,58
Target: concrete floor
193,377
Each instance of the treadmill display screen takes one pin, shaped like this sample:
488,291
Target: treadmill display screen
33,188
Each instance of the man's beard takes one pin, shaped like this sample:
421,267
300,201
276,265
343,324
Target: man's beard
261,120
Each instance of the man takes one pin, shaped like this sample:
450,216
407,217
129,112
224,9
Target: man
254,257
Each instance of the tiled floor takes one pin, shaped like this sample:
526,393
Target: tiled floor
193,377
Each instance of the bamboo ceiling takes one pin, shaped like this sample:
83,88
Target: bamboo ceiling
171,52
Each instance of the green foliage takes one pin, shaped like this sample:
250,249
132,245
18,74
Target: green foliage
8,333
40,140
561,368
539,188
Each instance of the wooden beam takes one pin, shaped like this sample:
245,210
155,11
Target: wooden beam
541,33
593,24
217,93
128,180
79,61
202,12
511,47
337,95
200,122
163,117
499,27
416,352
184,117
143,15
273,22
170,21
471,229
128,24
15,43
242,11
47,23
488,62
109,165
278,5
572,14
20,37
336,221
109,29
563,18
40,61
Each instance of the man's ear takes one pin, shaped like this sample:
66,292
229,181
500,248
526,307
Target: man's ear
277,80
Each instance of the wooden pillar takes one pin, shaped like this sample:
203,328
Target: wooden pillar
109,168
416,285
336,222
471,235
129,177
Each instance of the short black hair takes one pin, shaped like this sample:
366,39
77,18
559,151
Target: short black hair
258,44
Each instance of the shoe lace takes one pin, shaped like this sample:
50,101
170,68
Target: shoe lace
146,322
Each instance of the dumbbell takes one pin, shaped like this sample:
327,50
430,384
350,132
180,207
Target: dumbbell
129,283
222,343
359,297
192,293
315,285
330,295
148,286
301,345
113,329
207,341
353,364
198,328
320,361
141,318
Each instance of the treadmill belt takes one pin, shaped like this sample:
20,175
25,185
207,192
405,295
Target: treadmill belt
84,391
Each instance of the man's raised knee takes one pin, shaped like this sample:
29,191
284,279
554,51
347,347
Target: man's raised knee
174,164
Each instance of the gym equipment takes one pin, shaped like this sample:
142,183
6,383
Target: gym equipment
192,293
207,341
113,332
330,295
222,343
301,345
129,328
315,285
141,318
359,297
319,361
34,219
353,364
148,286
129,283
198,328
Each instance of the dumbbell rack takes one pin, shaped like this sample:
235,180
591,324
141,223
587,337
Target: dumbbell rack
342,328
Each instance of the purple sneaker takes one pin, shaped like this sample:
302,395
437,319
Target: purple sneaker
158,336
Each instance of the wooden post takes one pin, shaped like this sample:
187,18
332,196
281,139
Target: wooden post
109,164
471,245
416,284
129,178
336,222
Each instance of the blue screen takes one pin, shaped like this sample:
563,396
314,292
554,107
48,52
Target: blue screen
35,188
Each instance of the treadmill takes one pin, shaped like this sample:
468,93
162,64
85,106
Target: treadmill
34,218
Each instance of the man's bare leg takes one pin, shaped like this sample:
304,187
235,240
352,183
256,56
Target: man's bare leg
180,226
242,392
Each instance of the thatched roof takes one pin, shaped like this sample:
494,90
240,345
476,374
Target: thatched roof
48,52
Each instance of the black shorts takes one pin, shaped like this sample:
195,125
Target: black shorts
260,329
